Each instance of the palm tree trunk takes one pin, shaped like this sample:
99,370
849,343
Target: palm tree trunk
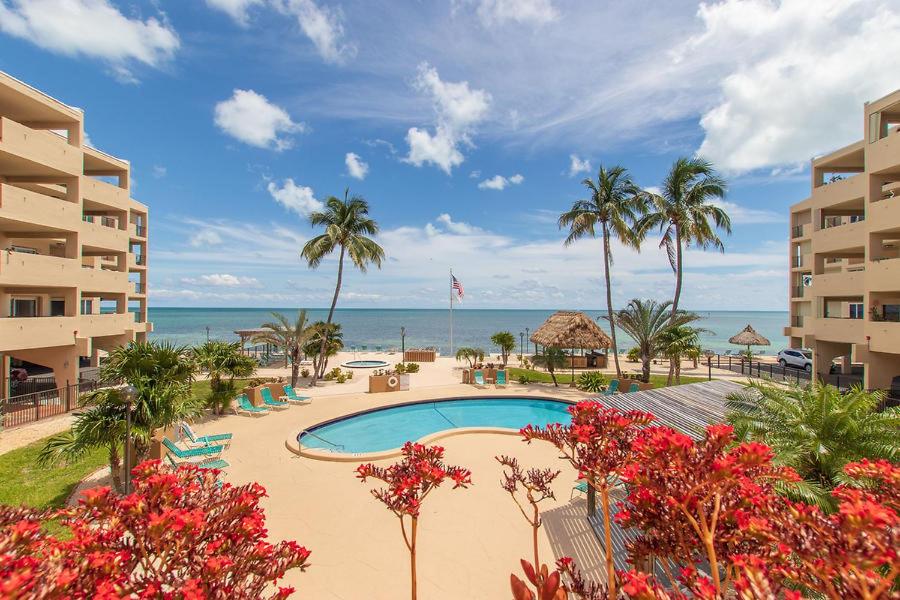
295,366
678,273
671,369
645,367
609,307
115,468
337,291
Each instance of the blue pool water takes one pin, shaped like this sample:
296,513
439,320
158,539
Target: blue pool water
364,364
388,428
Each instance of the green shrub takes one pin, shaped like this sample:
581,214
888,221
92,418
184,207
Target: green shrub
349,374
341,378
523,379
400,368
412,367
592,381
329,376
634,355
304,373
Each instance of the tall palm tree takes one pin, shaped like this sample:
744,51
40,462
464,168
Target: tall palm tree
645,321
685,214
222,359
347,227
816,430
615,205
290,336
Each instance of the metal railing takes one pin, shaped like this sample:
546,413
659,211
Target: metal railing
140,259
28,408
797,261
138,287
798,291
140,230
797,321
774,371
797,231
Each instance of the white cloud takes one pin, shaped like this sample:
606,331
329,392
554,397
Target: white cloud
578,165
298,198
252,119
323,26
499,182
457,227
458,110
159,171
221,280
205,237
356,167
236,9
498,12
792,86
742,215
92,28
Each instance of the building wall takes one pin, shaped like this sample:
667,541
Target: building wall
73,243
845,252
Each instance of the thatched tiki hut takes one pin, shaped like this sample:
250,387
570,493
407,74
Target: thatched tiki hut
748,337
569,330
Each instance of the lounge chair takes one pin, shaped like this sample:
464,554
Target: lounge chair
182,454
269,401
478,376
203,440
581,486
214,463
634,388
290,395
244,405
378,349
501,379
727,353
612,388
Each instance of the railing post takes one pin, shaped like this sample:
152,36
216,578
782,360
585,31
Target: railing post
709,364
68,397
37,407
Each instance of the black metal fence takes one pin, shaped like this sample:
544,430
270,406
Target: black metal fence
34,406
776,372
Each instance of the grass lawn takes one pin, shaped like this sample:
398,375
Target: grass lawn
201,389
566,377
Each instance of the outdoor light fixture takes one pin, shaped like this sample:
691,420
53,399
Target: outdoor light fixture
128,394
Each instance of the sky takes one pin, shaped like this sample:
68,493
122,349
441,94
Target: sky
468,125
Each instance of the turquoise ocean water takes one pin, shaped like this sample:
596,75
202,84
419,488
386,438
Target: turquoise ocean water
427,327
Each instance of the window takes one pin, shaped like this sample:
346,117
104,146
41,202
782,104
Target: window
23,307
87,307
856,310
57,307
24,249
892,312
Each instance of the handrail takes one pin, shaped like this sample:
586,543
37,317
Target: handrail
435,408
318,437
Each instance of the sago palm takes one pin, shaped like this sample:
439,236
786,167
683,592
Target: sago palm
685,214
222,359
291,336
645,321
614,206
816,430
347,229
470,355
677,342
333,338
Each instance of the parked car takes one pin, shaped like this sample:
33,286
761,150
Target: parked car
794,357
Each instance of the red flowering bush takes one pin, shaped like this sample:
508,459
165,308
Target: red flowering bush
178,535
597,443
409,482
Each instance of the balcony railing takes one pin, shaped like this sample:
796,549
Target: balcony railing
140,259
797,231
138,317
797,321
798,291
138,287
140,230
797,261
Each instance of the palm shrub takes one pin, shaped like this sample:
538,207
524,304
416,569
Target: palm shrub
506,342
290,336
219,360
645,321
334,343
592,381
675,343
634,354
816,430
554,358
470,355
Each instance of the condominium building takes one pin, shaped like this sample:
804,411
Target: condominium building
73,243
845,254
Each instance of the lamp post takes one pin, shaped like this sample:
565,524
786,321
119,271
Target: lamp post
129,393
403,343
527,340
522,346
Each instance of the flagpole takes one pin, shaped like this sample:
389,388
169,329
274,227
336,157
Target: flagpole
451,311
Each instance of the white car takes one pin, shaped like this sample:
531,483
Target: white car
801,359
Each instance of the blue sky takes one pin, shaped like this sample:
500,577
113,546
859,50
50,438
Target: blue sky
467,124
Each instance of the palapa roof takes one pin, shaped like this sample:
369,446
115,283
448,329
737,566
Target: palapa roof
570,329
748,337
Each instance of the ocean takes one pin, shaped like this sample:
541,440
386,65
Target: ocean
430,327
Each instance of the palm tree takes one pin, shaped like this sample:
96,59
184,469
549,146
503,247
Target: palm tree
333,338
347,225
161,374
682,212
470,355
816,430
645,321
222,359
677,342
615,205
554,358
507,343
290,336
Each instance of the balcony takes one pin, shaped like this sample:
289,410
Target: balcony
798,231
884,275
38,270
97,235
25,333
137,260
885,215
105,280
800,260
884,336
797,291
838,192
137,231
105,324
33,152
836,239
833,329
884,155
42,211
104,193
840,283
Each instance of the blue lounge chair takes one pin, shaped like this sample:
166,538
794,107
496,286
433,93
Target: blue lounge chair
290,395
213,463
581,486
378,349
501,379
478,376
204,440
612,388
183,454
244,405
269,401
634,388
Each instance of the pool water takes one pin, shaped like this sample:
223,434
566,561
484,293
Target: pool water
365,364
388,428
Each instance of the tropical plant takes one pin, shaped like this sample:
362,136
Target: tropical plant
506,342
685,213
554,358
615,205
290,336
334,343
160,373
180,534
677,342
470,355
592,381
347,227
816,430
645,321
634,354
304,373
412,367
523,379
409,482
222,359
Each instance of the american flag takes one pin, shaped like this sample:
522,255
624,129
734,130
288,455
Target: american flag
457,285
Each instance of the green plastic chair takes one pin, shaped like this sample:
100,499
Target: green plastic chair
217,463
613,388
634,388
581,486
501,379
191,452
291,395
203,440
269,401
245,405
479,377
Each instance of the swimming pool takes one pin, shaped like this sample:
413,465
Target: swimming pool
388,428
365,364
